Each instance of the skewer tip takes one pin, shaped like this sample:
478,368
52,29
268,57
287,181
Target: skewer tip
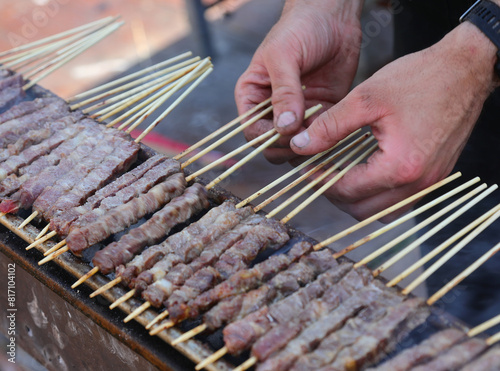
189,334
85,277
211,359
106,287
162,327
137,312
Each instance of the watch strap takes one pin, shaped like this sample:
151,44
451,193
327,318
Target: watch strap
485,15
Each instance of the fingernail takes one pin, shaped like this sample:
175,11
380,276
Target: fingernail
301,140
286,119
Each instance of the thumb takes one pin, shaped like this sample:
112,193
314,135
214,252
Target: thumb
287,96
334,125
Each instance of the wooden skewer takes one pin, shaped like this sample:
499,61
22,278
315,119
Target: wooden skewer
173,105
141,81
449,286
387,211
129,77
163,326
75,43
402,237
323,176
433,231
106,287
329,184
227,136
211,359
189,334
243,161
48,52
222,129
133,96
231,154
255,152
28,220
157,319
293,171
137,311
41,240
54,255
147,107
54,248
247,364
137,85
142,108
493,339
472,268
484,326
405,218
42,232
443,246
122,299
309,173
85,277
440,262
70,56
55,37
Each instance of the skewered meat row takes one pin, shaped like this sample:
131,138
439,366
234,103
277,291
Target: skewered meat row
250,325
11,91
125,215
309,266
123,189
22,108
43,172
178,275
117,162
455,357
54,109
423,352
179,210
186,246
47,203
363,342
489,361
318,321
285,319
179,244
26,157
268,234
33,137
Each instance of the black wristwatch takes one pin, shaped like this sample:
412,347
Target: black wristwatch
485,15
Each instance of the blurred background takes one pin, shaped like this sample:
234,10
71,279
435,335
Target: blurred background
227,30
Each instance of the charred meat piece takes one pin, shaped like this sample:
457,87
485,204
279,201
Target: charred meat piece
23,108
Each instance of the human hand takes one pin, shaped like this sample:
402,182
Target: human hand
316,44
421,108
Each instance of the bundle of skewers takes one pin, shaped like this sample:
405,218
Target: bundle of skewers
188,256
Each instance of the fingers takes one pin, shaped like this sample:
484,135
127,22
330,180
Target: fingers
350,114
288,97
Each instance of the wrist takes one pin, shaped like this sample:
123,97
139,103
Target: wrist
346,10
477,53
